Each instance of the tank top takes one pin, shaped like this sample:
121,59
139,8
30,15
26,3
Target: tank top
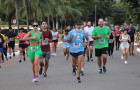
125,39
54,34
111,36
38,37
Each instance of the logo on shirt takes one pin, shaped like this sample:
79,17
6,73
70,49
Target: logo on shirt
78,36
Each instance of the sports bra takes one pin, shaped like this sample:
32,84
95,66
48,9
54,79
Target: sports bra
38,37
124,39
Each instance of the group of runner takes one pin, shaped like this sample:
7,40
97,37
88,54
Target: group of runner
77,42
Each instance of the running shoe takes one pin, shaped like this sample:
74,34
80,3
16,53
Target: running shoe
54,54
76,67
100,71
82,73
87,59
20,60
44,74
125,62
2,61
122,57
13,54
24,58
40,71
67,58
78,80
74,73
133,54
35,80
104,69
10,57
91,59
6,59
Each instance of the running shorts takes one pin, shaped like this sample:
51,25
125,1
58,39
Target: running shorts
1,50
124,45
75,55
66,45
99,52
45,55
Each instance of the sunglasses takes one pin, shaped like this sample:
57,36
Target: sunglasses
35,25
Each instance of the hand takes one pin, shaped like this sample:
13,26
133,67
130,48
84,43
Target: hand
108,37
35,37
100,35
72,37
47,39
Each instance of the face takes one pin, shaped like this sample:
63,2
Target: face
54,29
125,32
10,30
82,27
21,31
89,23
78,26
68,27
121,28
131,25
44,25
117,28
35,26
100,22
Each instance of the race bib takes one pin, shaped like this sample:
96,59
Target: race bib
110,41
33,49
101,41
11,39
117,34
27,42
44,42
76,45
0,40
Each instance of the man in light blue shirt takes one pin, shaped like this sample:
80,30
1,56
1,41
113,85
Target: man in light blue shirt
76,37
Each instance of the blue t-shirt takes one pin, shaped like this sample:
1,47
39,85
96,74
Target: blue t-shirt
77,44
131,32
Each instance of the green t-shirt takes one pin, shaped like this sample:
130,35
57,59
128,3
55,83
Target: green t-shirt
101,42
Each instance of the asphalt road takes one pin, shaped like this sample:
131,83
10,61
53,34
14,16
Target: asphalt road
18,76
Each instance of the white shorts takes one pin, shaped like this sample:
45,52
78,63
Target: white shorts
124,45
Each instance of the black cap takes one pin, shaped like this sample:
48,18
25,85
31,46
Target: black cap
21,29
78,23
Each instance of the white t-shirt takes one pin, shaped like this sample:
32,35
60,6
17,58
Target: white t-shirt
54,34
89,31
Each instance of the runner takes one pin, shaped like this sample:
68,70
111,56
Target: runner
111,44
89,30
124,38
55,35
11,45
101,34
131,33
34,49
117,35
86,45
45,47
2,43
122,30
22,44
66,45
76,38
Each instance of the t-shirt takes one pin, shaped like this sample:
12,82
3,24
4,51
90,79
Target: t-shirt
11,35
117,33
46,34
55,34
131,32
2,39
103,41
89,31
20,36
77,44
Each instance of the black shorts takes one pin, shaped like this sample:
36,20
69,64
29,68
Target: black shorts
91,43
22,46
55,41
75,55
11,45
26,45
99,52
132,38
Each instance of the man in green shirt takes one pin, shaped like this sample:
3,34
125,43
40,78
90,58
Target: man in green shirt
101,36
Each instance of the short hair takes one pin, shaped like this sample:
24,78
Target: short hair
21,29
10,27
35,22
44,21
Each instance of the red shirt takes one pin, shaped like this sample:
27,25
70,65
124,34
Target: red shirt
46,34
117,33
20,36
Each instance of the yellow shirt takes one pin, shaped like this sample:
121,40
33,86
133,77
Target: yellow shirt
4,38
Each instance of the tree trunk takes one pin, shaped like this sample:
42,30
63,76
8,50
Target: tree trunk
61,26
27,16
53,22
17,13
57,23
48,21
9,21
65,22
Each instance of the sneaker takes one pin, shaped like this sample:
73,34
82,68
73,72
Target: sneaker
44,74
10,57
76,67
109,57
35,80
54,54
87,60
13,54
100,71
24,58
2,61
133,54
20,60
125,62
78,80
67,58
122,57
40,71
74,73
82,74
104,69
91,59
6,59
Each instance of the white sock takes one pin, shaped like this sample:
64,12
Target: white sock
82,69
